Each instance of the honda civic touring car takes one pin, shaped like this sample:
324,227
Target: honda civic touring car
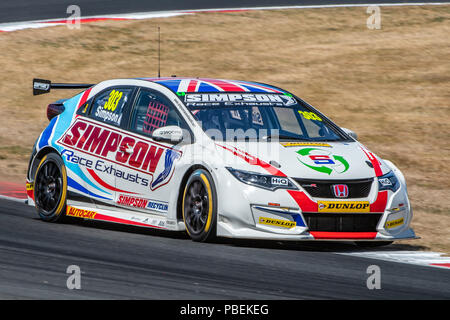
213,158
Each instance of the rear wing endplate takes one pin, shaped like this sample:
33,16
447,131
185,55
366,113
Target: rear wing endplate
41,86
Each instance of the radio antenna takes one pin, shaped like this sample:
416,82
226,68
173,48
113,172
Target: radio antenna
159,52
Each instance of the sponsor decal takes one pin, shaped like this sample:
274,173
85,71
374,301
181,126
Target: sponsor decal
142,203
106,115
154,222
41,86
132,201
277,222
169,159
273,204
343,206
120,148
257,117
309,115
280,181
85,108
108,111
305,144
322,160
103,167
340,190
30,190
238,99
385,182
394,223
158,206
80,213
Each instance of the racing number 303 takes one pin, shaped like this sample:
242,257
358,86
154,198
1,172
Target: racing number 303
113,101
310,115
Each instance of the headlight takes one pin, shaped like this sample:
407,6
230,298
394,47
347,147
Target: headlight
262,180
388,182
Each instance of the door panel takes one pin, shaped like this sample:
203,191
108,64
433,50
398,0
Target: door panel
144,167
148,166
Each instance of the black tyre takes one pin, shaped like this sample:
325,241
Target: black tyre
50,188
372,244
200,206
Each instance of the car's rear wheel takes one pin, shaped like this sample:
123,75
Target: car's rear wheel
50,188
200,206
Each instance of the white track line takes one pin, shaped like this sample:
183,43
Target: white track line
35,24
421,258
13,26
12,199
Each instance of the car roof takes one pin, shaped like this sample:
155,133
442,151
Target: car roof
200,85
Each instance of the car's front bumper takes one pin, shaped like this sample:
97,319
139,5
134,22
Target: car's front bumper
250,212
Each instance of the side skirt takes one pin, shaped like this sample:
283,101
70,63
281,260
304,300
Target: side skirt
88,211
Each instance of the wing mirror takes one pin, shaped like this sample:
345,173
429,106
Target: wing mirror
350,133
169,134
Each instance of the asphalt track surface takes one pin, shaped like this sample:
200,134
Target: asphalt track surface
120,262
27,10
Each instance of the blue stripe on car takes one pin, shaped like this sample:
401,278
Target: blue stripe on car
43,141
75,169
73,184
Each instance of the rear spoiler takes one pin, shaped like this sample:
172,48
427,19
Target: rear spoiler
41,86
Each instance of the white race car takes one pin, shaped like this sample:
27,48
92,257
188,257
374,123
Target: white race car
216,158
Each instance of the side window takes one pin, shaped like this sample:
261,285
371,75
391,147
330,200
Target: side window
152,111
109,105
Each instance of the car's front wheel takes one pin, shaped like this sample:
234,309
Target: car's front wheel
50,188
200,206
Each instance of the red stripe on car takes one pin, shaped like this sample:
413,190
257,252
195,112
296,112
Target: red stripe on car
84,97
380,203
225,85
192,85
104,184
447,265
254,161
343,235
303,201
374,161
103,217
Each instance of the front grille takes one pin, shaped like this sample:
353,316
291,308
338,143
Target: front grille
324,188
342,222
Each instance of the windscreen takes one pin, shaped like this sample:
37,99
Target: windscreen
237,116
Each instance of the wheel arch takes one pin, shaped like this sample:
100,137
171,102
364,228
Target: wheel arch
37,158
185,178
